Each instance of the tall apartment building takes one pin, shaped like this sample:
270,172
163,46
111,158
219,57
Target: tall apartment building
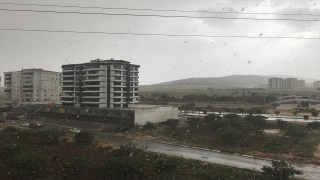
301,83
100,83
272,83
31,85
291,83
316,84
288,83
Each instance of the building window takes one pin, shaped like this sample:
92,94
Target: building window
117,66
125,84
136,89
117,78
136,68
136,94
117,100
117,89
124,72
117,94
117,83
118,72
117,105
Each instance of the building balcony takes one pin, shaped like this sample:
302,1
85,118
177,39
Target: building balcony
67,75
68,80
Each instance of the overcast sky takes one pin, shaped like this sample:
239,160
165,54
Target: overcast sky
165,58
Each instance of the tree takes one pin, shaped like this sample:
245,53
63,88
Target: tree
281,123
277,112
226,109
259,111
314,113
295,113
281,170
83,138
241,110
210,108
199,109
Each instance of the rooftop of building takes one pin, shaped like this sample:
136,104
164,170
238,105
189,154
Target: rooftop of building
31,70
101,61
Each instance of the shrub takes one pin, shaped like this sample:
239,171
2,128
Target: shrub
26,165
313,125
83,138
296,132
171,123
281,170
231,136
194,122
211,117
149,126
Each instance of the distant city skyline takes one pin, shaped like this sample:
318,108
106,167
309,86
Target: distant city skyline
166,58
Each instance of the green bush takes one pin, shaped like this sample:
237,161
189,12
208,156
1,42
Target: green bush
281,170
166,165
83,138
296,132
72,167
313,125
211,117
9,149
149,126
194,122
27,165
171,123
231,136
219,124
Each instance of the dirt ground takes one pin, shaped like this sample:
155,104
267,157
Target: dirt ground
289,113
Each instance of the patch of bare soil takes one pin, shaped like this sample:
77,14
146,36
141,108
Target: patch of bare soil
317,152
289,113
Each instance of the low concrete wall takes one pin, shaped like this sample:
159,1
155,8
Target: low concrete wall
155,114
286,106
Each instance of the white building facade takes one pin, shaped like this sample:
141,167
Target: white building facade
100,83
31,85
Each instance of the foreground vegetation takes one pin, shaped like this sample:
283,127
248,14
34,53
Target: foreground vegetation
46,155
242,135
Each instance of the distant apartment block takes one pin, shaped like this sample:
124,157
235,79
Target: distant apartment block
31,85
288,83
316,84
301,83
100,83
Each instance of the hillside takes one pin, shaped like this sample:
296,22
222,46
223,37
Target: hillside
227,81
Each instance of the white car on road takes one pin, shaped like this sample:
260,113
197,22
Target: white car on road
25,124
75,130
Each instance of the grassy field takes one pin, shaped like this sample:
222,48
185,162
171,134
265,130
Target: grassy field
181,90
294,140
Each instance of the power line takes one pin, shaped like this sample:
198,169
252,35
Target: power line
148,34
153,15
161,10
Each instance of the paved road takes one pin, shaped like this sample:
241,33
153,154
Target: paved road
310,171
